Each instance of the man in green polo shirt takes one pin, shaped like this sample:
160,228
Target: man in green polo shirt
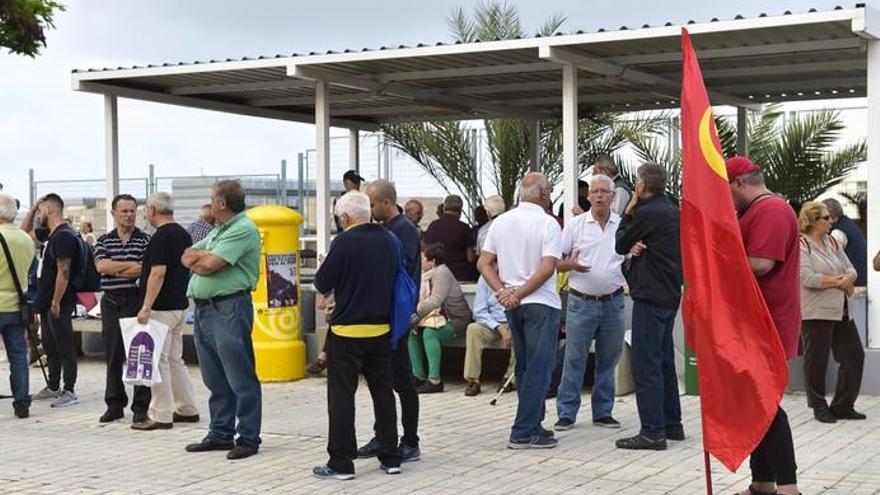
225,267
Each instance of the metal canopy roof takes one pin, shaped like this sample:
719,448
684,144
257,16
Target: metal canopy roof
814,55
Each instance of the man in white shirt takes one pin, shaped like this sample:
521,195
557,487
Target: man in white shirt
525,242
595,307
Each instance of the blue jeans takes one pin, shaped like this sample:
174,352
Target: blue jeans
653,362
12,329
534,329
588,320
226,359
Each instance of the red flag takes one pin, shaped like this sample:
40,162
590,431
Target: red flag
740,360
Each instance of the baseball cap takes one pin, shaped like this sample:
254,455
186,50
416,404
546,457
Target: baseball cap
352,176
740,165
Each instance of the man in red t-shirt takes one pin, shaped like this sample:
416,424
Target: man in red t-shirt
770,235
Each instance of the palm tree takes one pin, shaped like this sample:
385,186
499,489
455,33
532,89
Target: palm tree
797,155
445,149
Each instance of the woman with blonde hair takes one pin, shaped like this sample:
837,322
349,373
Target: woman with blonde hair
827,284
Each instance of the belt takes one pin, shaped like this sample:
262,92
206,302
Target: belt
216,299
127,292
606,297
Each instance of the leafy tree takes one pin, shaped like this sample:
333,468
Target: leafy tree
23,24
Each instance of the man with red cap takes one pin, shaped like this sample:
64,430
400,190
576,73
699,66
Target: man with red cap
770,235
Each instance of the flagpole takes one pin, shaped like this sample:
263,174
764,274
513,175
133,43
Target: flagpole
708,473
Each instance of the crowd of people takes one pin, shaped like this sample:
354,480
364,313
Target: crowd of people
539,281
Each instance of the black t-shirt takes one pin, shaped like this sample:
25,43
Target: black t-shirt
165,248
63,243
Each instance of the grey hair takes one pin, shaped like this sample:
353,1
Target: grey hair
834,207
494,206
603,178
533,190
8,208
453,204
606,162
162,202
355,204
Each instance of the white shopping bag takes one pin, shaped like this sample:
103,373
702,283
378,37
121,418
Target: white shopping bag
143,346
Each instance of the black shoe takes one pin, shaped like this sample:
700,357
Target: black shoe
21,412
418,382
409,453
641,442
180,418
552,393
208,445
563,424
430,388
532,442
676,434
140,417
371,449
326,473
111,415
847,414
242,451
824,415
544,432
316,367
607,422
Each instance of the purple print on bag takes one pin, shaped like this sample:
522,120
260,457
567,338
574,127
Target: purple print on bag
140,357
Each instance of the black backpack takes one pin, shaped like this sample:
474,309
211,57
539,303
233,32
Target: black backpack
87,279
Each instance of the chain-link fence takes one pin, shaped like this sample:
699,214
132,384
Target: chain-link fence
377,159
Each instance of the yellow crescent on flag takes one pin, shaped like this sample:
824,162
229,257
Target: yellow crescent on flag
710,152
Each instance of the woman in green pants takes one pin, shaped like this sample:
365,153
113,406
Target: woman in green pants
443,313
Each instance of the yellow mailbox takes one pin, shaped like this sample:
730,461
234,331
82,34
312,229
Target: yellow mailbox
278,346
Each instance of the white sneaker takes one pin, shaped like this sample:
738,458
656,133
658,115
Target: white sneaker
67,398
46,394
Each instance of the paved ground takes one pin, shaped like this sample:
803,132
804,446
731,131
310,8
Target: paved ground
464,450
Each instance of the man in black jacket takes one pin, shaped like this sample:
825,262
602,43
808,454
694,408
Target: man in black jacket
649,231
360,270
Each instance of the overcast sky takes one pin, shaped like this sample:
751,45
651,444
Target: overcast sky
59,133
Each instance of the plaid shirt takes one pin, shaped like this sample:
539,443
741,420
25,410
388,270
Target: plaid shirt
199,229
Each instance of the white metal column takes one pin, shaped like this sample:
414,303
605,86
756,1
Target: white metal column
354,150
873,141
111,154
534,145
569,138
742,131
322,154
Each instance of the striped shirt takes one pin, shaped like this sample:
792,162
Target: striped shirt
110,247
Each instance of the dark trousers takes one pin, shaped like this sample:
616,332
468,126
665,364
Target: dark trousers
402,380
116,305
773,458
60,348
842,339
346,358
653,362
12,330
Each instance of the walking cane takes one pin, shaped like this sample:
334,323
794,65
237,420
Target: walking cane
501,390
32,336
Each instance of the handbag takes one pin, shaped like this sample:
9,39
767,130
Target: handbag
27,314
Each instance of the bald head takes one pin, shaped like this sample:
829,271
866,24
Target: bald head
383,200
534,188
